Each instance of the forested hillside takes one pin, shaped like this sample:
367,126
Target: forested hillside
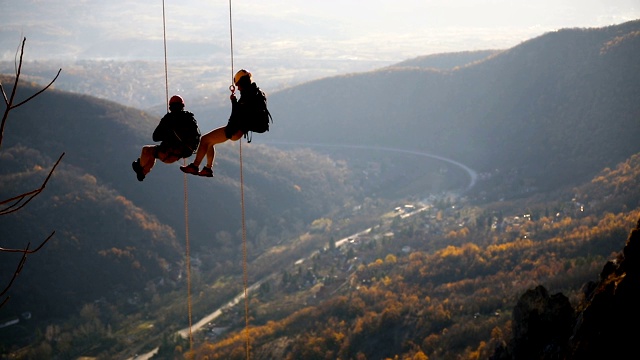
429,294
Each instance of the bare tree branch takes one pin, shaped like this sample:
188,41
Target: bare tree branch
23,259
5,301
28,196
39,92
18,202
27,251
9,101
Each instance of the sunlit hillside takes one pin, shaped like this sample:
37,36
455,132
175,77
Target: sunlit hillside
441,284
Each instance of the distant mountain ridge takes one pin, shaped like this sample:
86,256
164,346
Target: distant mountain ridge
447,61
565,102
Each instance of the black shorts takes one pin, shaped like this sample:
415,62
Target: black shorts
173,149
231,129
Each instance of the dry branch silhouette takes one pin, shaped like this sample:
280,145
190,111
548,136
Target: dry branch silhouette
18,202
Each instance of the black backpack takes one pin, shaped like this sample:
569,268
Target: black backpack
188,133
260,117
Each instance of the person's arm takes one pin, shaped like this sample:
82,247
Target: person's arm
234,107
160,133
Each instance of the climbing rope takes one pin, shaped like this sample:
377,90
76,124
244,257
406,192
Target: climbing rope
188,256
186,194
166,70
232,87
245,276
244,256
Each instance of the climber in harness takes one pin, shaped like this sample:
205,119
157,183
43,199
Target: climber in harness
179,135
248,114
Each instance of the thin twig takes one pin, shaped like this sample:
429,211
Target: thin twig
9,101
27,251
28,195
39,92
15,273
20,201
13,92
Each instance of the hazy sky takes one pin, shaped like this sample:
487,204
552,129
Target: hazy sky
328,29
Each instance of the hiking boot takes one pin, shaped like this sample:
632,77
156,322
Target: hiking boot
206,172
138,169
190,169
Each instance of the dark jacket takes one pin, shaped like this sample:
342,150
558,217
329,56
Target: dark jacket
247,113
178,133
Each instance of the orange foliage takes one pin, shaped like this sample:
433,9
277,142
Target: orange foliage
435,294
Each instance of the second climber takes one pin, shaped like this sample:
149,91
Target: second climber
179,135
248,114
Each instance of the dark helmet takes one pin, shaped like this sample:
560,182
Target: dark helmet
176,103
176,99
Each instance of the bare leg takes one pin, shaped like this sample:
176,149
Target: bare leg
147,158
207,143
211,155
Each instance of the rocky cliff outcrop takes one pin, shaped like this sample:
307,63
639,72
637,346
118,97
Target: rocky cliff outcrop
604,326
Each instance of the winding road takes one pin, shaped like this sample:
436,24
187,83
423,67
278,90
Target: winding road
473,176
